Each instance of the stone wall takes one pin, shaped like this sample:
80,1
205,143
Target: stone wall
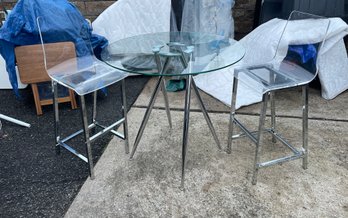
243,14
243,11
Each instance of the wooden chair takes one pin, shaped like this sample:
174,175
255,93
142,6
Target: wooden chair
30,62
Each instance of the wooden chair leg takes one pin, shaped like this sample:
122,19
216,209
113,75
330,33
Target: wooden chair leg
72,99
36,99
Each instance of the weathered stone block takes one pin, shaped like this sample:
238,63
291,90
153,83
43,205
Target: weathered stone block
243,11
96,7
80,5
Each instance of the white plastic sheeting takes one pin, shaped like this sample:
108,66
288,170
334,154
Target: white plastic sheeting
261,45
126,18
208,16
5,81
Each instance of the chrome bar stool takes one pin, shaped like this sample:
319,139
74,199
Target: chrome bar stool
84,74
279,74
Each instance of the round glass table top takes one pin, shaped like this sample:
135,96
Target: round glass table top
179,53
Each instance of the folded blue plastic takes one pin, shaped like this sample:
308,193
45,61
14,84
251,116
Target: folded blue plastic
303,55
21,29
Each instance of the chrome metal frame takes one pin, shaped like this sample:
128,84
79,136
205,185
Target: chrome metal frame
256,136
159,85
189,85
88,127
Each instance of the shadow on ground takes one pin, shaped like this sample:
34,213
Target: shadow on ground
34,181
218,184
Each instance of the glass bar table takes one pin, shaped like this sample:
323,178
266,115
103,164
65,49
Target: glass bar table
179,54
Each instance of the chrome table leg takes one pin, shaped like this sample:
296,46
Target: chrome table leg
166,102
146,116
162,70
159,84
186,127
205,113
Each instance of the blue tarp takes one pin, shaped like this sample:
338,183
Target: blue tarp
303,55
61,21
305,52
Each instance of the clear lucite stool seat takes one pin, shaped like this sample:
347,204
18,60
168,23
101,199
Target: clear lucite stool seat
267,77
85,74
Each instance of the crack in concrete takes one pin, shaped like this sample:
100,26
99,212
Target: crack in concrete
245,113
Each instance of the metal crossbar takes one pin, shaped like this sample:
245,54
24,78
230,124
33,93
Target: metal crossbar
251,134
114,132
105,129
91,126
281,160
73,151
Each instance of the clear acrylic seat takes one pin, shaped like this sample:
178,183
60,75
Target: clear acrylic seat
83,74
294,66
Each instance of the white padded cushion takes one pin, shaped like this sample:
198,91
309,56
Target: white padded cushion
126,18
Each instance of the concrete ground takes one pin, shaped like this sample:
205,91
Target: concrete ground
218,184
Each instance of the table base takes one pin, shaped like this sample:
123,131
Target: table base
190,84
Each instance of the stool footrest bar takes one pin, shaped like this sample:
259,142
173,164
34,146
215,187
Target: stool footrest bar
281,160
94,137
73,151
282,140
91,126
246,131
240,135
105,130
120,135
251,135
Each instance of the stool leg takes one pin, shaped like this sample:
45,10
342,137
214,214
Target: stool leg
232,114
259,139
56,115
124,110
86,134
94,113
305,125
273,115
